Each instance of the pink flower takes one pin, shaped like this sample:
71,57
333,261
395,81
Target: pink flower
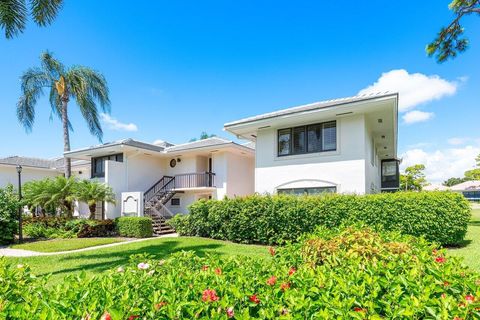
106,316
143,266
443,295
230,312
272,251
133,317
440,259
469,298
218,271
292,271
272,280
254,299
209,295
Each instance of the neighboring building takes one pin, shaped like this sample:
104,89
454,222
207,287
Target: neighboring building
163,179
345,145
470,189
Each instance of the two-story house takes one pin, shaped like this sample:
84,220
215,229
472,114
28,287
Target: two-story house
344,145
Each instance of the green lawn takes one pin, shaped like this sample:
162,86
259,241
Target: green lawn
58,245
98,261
471,250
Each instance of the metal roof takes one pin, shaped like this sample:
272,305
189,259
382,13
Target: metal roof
126,142
203,143
39,162
313,106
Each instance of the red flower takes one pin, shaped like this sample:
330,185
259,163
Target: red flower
292,271
160,305
209,295
446,283
271,250
358,309
133,317
218,271
204,268
440,259
272,280
457,318
469,298
106,316
254,299
285,285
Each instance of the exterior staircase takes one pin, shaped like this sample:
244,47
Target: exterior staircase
155,200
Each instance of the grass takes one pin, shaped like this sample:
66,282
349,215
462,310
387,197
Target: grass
58,245
101,260
471,249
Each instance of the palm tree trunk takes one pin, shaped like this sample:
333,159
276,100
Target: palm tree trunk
66,135
92,208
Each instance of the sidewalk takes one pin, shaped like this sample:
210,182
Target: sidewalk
8,252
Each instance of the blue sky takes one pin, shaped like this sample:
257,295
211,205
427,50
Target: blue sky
176,68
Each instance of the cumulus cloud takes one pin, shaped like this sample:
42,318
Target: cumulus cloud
414,88
114,124
442,164
417,116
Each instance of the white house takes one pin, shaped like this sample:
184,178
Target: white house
345,145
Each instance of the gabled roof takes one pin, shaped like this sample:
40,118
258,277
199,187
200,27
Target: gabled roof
125,142
39,163
467,185
203,143
311,106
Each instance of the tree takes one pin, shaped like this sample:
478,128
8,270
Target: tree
14,14
92,192
453,181
51,194
82,84
204,135
473,174
413,178
450,41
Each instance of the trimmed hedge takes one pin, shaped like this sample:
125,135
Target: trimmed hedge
103,228
137,227
438,216
8,215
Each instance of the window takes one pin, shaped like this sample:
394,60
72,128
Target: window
308,139
175,202
307,191
98,164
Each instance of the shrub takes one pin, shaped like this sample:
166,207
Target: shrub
104,228
8,215
352,273
137,227
438,216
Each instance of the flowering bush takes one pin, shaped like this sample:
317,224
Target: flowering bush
438,216
64,227
353,273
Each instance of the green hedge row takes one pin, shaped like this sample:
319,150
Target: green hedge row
136,227
8,215
438,216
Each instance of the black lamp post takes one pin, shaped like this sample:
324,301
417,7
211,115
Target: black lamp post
20,235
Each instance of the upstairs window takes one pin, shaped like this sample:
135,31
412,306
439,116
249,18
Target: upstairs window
308,139
98,164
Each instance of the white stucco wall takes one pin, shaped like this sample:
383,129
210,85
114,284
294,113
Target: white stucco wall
372,165
343,168
9,175
142,171
219,164
115,178
240,175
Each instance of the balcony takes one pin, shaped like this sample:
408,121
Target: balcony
194,180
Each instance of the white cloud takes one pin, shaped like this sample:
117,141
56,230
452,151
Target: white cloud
442,164
457,141
414,88
114,124
417,116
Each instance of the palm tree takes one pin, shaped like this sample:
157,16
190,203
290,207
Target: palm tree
51,194
14,14
82,84
92,192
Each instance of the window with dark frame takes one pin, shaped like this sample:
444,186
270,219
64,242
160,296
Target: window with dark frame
98,164
312,138
307,191
175,202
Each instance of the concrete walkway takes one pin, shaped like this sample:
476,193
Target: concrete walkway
9,252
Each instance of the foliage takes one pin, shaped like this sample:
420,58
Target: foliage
51,194
8,214
438,216
346,274
14,14
91,192
453,181
204,135
450,41
82,84
413,178
58,245
104,228
137,227
473,174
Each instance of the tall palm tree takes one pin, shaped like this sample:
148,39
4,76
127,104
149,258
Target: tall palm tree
14,14
82,84
92,192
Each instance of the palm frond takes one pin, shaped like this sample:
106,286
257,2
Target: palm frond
13,17
96,85
51,65
45,11
32,83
